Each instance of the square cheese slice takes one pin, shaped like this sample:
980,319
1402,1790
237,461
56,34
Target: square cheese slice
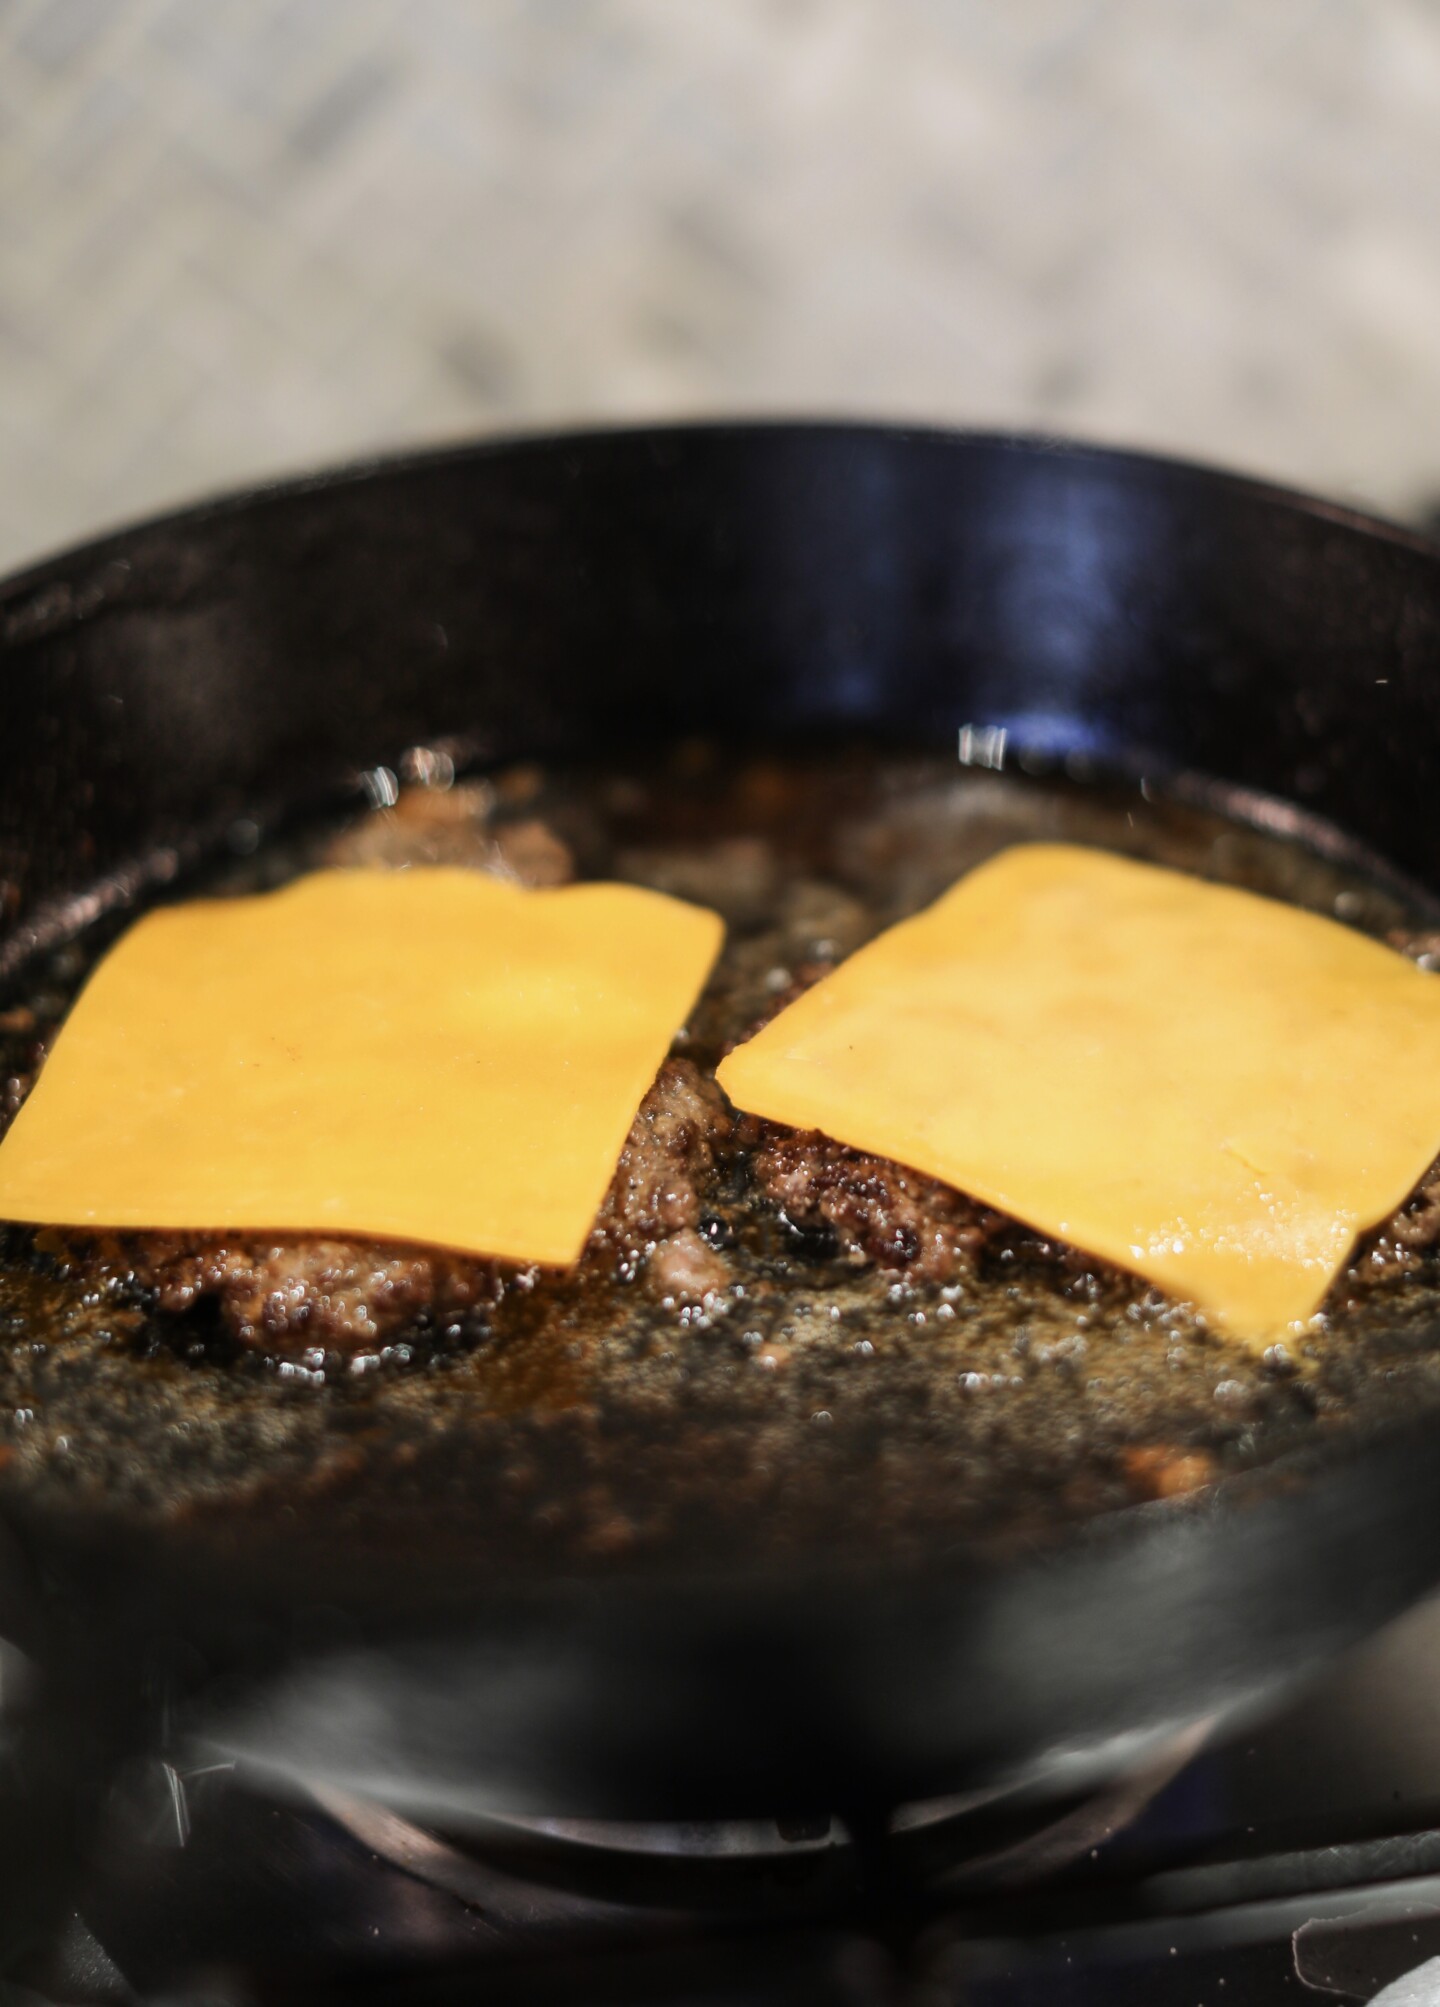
1211,1088
429,1055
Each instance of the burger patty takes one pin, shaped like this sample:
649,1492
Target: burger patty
770,1338
694,1181
295,1292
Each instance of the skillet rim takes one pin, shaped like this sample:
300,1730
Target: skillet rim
219,504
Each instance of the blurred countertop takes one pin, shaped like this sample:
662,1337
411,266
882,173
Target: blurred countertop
239,237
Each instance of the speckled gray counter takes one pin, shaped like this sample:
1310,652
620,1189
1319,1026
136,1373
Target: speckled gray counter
240,238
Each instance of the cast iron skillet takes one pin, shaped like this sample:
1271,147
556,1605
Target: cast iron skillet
778,584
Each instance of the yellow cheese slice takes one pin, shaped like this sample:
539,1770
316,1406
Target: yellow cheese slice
433,1055
1207,1087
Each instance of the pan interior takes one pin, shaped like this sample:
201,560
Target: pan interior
808,1404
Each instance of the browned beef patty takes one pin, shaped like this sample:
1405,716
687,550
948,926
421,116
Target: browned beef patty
296,1292
688,1166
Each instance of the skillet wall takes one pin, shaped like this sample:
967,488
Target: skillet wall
552,594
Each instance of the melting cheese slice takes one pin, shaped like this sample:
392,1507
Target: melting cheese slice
433,1055
1210,1088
